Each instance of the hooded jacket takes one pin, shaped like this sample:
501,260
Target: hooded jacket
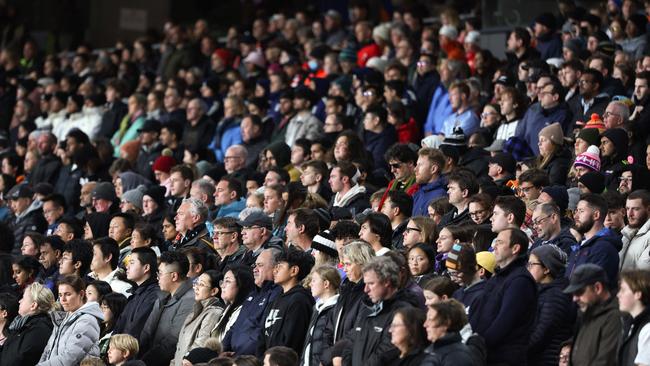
75,336
598,336
286,321
30,220
24,346
426,193
196,329
137,310
449,350
635,242
601,249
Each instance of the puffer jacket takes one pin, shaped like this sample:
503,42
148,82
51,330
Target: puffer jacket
25,345
313,349
558,168
449,350
30,220
565,241
137,310
74,337
197,327
635,242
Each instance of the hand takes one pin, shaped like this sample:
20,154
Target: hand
337,361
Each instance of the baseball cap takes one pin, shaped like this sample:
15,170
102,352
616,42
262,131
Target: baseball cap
585,275
20,191
257,219
505,161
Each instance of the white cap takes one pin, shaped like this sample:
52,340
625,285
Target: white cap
448,31
472,37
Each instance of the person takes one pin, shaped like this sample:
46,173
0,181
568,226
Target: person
554,159
32,328
429,179
76,258
443,323
96,290
409,338
227,240
314,177
112,305
28,215
505,314
421,262
634,298
546,221
376,230
636,232
509,213
190,222
348,193
555,312
9,305
302,226
76,329
122,348
460,187
25,270
160,332
597,338
104,265
397,207
462,267
402,160
280,356
228,196
237,285
280,329
324,286
204,316
256,236
419,229
51,251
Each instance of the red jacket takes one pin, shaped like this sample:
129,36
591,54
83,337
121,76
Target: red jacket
408,132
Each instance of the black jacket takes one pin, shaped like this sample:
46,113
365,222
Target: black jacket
630,343
356,205
146,158
68,184
565,241
452,218
315,338
467,295
199,136
416,357
25,345
287,320
112,118
476,160
46,170
32,220
556,315
449,350
558,168
137,310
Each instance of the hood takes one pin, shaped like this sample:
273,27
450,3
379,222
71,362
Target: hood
131,180
36,205
91,308
608,235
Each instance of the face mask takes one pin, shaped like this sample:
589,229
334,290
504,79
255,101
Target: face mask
313,65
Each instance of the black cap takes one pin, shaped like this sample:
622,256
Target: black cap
257,218
505,161
20,191
150,125
505,80
104,190
585,275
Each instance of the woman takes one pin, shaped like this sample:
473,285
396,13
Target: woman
409,337
31,244
438,289
348,146
421,260
512,108
490,121
634,299
96,290
443,323
9,306
236,286
76,328
112,305
204,317
419,229
25,270
449,236
555,309
480,208
324,285
145,235
29,331
128,129
554,158
463,270
199,260
96,225
355,255
169,231
376,230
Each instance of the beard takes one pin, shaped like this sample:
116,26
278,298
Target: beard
584,227
640,221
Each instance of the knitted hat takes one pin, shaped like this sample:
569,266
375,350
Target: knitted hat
448,31
553,133
486,260
594,181
590,135
595,122
589,159
164,163
224,55
157,193
324,242
131,180
105,191
546,19
134,196
552,257
619,138
460,257
559,195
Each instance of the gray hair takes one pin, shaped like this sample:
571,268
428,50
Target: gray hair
197,207
202,105
275,252
385,268
548,208
240,150
358,252
205,186
623,110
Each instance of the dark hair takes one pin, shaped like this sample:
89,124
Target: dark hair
355,145
641,194
57,199
576,65
401,200
74,224
523,35
441,285
483,199
29,264
596,202
185,171
296,257
247,360
108,247
177,259
413,319
77,283
557,88
380,225
483,237
55,242
103,288
147,231
518,237
245,286
345,229
614,199
215,277
284,175
319,166
347,169
402,153
234,184
282,356
450,313
512,205
536,177
598,77
643,75
82,252
116,302
79,136
308,218
200,256
129,219
147,256
430,251
397,85
9,302
465,180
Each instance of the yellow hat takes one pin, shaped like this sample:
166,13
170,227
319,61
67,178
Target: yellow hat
486,260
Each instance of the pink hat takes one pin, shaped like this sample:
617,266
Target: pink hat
589,159
256,59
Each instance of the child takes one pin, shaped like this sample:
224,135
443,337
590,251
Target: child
122,348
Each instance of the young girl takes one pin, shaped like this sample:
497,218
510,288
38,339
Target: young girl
325,282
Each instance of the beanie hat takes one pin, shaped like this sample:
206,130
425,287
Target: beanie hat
486,260
552,257
589,159
595,122
157,193
134,196
224,55
324,242
553,133
281,152
457,137
590,135
165,162
594,181
547,20
619,138
559,195
448,31
460,258
105,191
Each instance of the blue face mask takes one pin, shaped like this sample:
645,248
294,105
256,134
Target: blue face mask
313,65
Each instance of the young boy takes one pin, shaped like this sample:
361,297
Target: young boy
122,348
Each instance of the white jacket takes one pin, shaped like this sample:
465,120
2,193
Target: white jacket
635,244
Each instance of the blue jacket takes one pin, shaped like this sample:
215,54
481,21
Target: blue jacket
468,121
426,193
377,144
439,109
601,249
232,209
228,133
505,314
537,118
242,338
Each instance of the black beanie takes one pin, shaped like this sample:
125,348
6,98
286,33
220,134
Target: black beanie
594,181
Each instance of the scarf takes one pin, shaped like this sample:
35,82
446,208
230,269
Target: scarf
18,323
191,234
344,200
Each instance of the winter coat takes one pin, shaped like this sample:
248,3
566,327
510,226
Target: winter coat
131,133
565,241
242,337
468,295
287,320
146,157
200,135
377,144
598,336
314,341
227,133
426,193
69,185
197,327
112,118
476,160
30,220
601,249
201,240
417,357
536,118
303,125
439,110
556,315
160,334
631,341
24,346
454,218
598,106
232,259
232,209
46,170
505,314
558,167
74,336
635,242
356,204
449,350
137,310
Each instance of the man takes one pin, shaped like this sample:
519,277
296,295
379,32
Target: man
160,333
549,43
302,227
397,207
462,185
505,314
104,198
53,210
289,315
509,213
402,160
616,212
463,115
616,115
501,168
314,176
640,98
150,148
106,255
171,134
429,179
51,251
204,191
303,124
636,234
115,108
596,340
253,139
281,356
531,183
69,180
172,103
591,100
68,229
86,200
600,245
378,136
546,221
76,258
519,48
243,336
142,271
257,236
190,224
48,166
370,337
226,239
569,78
348,194
27,212
228,195
235,159
181,178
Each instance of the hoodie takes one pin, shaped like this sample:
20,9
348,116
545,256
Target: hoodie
29,220
601,249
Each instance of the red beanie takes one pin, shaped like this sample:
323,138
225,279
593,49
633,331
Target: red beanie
163,164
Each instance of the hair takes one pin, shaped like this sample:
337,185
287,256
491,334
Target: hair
598,77
230,223
247,360
435,156
441,205
462,233
284,175
358,252
548,208
185,171
282,356
641,194
36,237
441,286
413,319
380,225
234,184
401,200
615,200
308,218
74,281
103,288
330,274
429,251
518,237
344,230
116,302
200,256
108,247
147,231
465,180
57,199
125,343
450,313
597,203
82,252
536,177
245,285
347,169
428,228
512,205
42,296
638,281
483,237
385,268
53,241
9,302
127,217
178,260
29,264
296,257
74,224
319,166
483,199
197,207
147,256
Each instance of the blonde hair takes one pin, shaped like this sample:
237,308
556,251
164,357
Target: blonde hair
358,252
42,296
125,343
92,361
330,274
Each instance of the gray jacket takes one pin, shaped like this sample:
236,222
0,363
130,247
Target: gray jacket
74,337
160,333
197,327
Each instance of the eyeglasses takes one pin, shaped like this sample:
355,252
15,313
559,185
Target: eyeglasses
540,220
412,229
608,113
476,214
530,264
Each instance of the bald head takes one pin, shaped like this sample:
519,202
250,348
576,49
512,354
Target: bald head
235,158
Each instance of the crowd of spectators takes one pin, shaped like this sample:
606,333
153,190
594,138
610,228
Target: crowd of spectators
321,189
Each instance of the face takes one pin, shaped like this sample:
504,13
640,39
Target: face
584,217
309,177
317,151
233,160
586,297
51,212
272,178
499,219
625,184
352,270
29,247
336,180
169,230
612,118
115,356
282,273
222,194
627,299
503,252
424,170
545,145
27,305
179,186
412,235
399,335
489,117
544,224
455,193
149,206
318,285
536,268
70,299
341,149
434,330
20,275
637,213
272,201
376,289
183,219
203,288
445,241
263,270
606,147
640,88
547,98
252,236
48,257
92,294
117,229
66,265
418,262
478,213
